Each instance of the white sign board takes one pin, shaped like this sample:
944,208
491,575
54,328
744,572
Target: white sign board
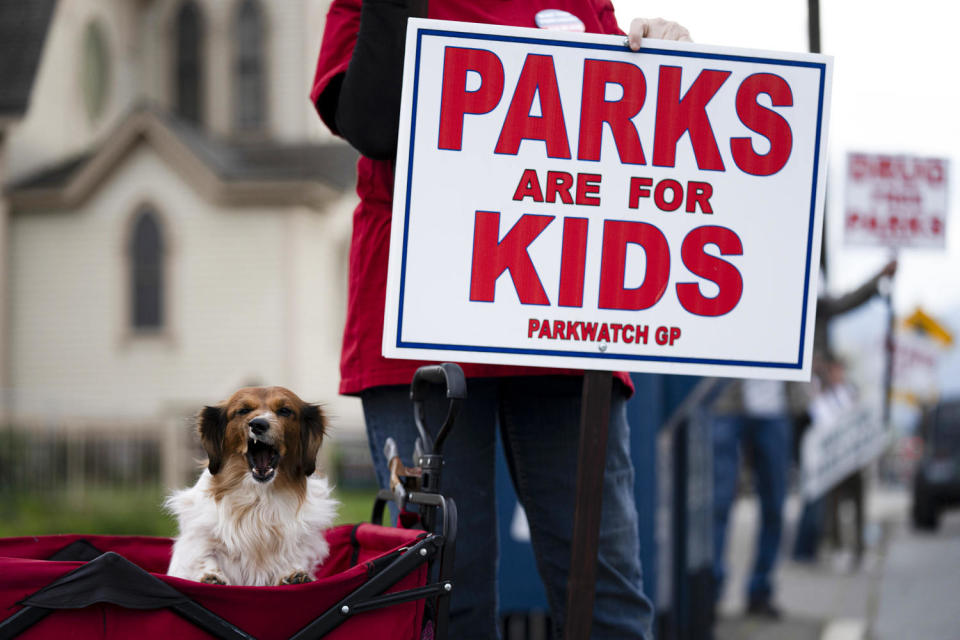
896,201
563,201
916,358
844,436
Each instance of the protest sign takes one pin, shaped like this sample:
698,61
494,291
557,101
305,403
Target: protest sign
916,358
563,201
918,346
896,201
845,435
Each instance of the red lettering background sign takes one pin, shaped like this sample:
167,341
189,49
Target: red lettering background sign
896,201
562,201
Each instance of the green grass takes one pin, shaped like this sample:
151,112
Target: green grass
356,505
122,511
96,510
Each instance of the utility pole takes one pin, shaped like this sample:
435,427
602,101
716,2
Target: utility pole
813,38
813,25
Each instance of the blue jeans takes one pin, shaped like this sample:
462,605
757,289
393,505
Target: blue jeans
539,423
769,440
809,530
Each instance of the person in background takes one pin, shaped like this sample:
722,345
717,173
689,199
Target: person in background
757,414
357,91
835,396
826,368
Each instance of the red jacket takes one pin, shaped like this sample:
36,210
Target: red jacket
361,364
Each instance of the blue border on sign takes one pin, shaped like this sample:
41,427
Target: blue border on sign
593,355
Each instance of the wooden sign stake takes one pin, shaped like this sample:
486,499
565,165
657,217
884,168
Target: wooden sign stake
594,421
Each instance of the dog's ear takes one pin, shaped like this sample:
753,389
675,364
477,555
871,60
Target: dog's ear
312,429
212,425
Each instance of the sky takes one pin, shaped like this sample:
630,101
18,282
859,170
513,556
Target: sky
894,91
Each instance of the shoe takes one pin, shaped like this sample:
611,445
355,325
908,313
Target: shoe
764,608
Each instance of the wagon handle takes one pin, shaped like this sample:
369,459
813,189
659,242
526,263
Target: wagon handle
451,376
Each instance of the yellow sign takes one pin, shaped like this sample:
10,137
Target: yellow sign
920,321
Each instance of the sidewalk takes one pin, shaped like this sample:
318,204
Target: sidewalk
829,600
921,580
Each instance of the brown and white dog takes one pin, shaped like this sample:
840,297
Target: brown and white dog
256,515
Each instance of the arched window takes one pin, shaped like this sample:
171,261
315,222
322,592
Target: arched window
146,252
249,85
189,62
96,70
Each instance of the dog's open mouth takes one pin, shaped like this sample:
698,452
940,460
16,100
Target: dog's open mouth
263,459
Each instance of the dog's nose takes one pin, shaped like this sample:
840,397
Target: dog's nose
259,426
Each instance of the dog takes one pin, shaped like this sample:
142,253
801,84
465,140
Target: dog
257,513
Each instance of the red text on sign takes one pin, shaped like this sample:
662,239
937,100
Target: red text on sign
679,115
492,257
558,184
668,194
905,169
609,332
667,335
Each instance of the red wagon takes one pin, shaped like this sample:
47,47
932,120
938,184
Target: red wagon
378,582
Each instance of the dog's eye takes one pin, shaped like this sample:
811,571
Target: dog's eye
284,412
242,411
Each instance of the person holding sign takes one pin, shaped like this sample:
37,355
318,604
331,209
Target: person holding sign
825,369
357,91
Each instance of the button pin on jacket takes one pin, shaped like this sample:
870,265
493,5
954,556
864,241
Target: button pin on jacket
559,20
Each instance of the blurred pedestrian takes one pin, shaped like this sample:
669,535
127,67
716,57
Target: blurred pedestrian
756,415
828,372
833,398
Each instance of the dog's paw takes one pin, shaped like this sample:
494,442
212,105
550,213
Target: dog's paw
213,578
297,577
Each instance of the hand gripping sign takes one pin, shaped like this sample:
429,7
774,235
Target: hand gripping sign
563,201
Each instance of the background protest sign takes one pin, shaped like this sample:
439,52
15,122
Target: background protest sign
845,435
563,201
896,201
